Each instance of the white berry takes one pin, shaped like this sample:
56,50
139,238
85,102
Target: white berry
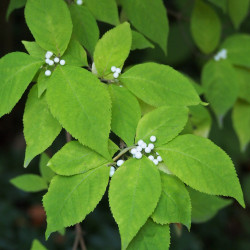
138,155
144,145
51,62
140,142
47,60
133,151
112,171
48,54
62,62
119,163
118,70
151,146
155,162
115,75
139,148
159,159
79,2
152,138
47,72
56,60
113,69
151,157
157,153
147,150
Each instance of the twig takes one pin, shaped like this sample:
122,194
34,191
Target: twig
124,151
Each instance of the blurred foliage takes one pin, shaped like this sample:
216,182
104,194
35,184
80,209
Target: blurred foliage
22,216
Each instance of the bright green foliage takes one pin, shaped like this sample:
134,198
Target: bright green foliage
75,158
42,81
221,4
202,165
150,18
159,85
34,49
45,171
84,27
165,123
200,120
205,27
40,127
112,50
238,11
50,24
14,4
70,199
16,72
36,245
82,105
174,205
238,49
105,10
243,82
205,206
75,54
151,236
126,113
29,183
134,191
241,122
216,78
139,41
113,148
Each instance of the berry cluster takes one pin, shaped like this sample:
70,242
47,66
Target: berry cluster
79,2
50,60
116,71
221,55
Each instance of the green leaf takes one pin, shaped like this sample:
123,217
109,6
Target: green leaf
74,158
202,165
40,127
14,4
29,183
16,72
75,54
105,10
165,123
82,105
238,11
204,206
238,49
160,85
126,113
222,4
216,78
79,195
50,24
85,28
134,191
112,50
243,82
45,171
113,148
174,205
36,245
139,41
42,81
241,122
150,18
151,236
34,49
205,27
200,120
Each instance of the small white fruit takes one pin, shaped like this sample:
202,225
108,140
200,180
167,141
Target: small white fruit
147,150
140,142
47,72
113,69
144,145
152,138
139,148
151,157
62,62
138,155
133,151
112,171
115,75
118,70
151,146
159,159
51,62
155,162
48,54
119,163
56,60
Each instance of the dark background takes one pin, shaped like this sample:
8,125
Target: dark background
21,214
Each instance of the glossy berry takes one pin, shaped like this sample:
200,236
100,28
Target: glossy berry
118,70
138,155
62,62
155,162
147,150
151,157
47,72
119,163
133,151
151,146
115,75
159,159
113,69
112,171
140,142
152,138
56,60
